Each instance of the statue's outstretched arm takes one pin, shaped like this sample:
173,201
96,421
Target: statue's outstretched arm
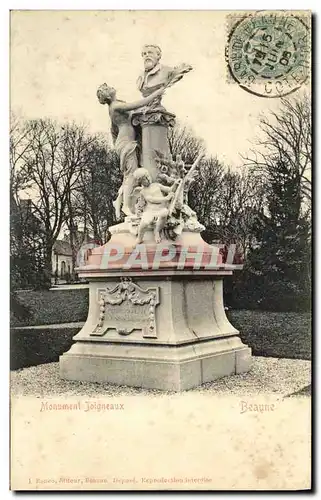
178,73
129,106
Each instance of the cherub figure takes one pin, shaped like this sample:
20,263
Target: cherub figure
156,204
180,215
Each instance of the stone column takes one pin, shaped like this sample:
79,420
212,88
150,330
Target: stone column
154,125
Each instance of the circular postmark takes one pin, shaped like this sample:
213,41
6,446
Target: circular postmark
268,54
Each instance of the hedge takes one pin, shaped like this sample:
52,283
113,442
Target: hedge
37,346
51,307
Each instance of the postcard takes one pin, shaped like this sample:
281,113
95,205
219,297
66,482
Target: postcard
160,238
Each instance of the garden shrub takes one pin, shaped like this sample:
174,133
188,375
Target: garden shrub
51,307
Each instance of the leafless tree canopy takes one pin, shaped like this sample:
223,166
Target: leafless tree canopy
286,138
183,141
96,189
46,161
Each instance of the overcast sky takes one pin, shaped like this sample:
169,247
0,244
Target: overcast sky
59,58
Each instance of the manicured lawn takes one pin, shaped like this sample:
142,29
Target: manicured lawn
271,334
275,334
280,335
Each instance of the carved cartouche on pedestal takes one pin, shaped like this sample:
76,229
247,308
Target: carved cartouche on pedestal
132,295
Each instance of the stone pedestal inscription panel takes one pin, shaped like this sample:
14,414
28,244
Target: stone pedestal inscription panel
127,307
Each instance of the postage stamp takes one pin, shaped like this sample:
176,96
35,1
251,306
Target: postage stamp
268,53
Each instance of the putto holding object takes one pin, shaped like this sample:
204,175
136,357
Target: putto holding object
156,208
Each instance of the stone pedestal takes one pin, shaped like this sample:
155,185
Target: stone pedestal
154,125
162,328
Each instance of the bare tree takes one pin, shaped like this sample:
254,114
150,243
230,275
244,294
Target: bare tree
26,244
286,138
205,192
183,141
226,201
53,162
19,147
239,203
96,189
278,269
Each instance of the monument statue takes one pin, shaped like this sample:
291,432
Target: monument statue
156,314
150,118
157,75
123,134
153,119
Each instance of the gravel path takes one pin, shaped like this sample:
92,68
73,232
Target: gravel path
267,376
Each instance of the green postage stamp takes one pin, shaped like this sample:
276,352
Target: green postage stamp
268,53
